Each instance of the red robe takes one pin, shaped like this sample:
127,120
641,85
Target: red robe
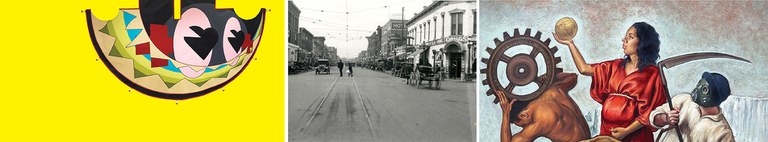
642,93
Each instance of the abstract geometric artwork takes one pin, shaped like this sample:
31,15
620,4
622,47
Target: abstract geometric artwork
152,52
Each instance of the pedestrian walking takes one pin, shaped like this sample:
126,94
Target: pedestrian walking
341,68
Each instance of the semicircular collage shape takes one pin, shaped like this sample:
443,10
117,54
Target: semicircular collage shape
157,55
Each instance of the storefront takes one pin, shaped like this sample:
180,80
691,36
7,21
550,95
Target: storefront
453,54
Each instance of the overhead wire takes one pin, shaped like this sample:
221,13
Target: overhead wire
331,27
335,24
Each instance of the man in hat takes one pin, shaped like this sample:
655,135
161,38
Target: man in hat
698,114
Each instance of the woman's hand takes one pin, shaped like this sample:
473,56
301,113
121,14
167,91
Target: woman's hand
581,65
561,41
619,132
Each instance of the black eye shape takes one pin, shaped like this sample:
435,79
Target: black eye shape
204,44
704,89
237,41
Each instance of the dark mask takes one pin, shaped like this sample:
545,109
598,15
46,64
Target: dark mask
703,95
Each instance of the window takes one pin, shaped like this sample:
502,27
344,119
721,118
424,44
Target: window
474,22
410,34
443,27
420,33
456,23
435,27
425,32
428,30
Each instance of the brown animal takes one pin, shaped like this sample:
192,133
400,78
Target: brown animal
553,115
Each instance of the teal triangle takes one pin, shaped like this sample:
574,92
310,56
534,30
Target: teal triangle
127,18
132,33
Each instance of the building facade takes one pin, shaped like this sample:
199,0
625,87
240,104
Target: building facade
374,45
392,35
306,40
332,54
296,56
362,55
293,23
447,31
319,48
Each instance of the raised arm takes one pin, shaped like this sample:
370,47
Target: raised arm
506,106
581,65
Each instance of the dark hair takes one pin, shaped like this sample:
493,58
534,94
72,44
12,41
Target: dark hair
647,48
517,108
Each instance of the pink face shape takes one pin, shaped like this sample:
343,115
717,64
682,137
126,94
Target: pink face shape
182,50
230,29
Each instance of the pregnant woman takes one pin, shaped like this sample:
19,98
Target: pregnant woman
628,88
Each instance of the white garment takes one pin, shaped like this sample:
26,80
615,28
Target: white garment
694,126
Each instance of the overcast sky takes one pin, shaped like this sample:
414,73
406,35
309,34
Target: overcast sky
327,18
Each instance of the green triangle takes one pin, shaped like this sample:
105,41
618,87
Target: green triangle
223,75
114,52
137,73
167,81
107,29
200,83
169,84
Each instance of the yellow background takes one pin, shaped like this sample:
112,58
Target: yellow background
53,88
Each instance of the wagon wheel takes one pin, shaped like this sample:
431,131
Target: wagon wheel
418,81
410,79
415,78
430,82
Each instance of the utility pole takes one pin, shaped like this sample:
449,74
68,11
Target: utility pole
346,33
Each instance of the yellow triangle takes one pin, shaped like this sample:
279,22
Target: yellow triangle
156,53
177,64
141,38
197,68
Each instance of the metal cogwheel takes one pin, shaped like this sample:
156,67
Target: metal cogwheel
521,68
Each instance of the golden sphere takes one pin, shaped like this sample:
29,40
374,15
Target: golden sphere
566,28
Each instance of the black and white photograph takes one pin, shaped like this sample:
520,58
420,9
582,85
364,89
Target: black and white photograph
368,70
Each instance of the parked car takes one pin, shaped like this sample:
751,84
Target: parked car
323,66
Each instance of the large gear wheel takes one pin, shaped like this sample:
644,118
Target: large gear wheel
521,68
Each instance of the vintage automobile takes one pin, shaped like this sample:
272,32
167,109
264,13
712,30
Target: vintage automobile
322,66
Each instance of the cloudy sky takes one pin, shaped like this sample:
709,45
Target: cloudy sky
328,18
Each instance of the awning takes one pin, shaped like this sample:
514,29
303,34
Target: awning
290,45
401,55
415,53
